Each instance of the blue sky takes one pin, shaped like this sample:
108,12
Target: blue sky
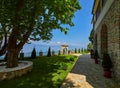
77,36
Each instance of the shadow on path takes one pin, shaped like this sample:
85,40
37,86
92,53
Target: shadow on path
93,73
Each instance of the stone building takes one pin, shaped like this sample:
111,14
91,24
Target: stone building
106,31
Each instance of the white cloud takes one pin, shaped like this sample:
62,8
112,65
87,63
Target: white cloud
58,42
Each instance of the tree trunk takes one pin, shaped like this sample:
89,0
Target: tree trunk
12,60
13,47
12,50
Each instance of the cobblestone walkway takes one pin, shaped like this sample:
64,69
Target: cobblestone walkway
93,74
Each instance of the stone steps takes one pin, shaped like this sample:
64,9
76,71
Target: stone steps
75,81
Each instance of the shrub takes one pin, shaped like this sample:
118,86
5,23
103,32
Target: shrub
106,62
71,59
75,50
79,50
33,55
64,66
49,52
96,56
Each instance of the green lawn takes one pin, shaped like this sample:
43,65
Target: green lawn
47,72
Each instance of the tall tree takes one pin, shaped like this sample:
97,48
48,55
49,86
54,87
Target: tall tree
89,46
82,50
33,20
33,54
75,50
49,52
79,51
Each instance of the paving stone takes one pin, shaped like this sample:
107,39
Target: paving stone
93,73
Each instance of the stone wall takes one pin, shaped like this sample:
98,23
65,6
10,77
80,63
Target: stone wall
75,81
9,73
112,21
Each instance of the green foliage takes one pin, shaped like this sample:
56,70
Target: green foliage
85,50
82,50
38,17
91,36
79,51
106,62
33,55
71,59
75,50
96,55
89,46
25,20
49,52
63,66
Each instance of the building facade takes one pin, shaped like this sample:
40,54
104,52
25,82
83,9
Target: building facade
106,26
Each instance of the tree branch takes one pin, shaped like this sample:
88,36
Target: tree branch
30,29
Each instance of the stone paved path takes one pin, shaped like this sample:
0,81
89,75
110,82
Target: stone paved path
93,73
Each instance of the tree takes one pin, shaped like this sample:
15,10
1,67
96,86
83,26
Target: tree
75,50
49,52
89,46
79,51
33,54
82,50
85,50
91,36
25,20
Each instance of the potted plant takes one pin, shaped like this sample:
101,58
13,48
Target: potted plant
91,54
107,65
96,56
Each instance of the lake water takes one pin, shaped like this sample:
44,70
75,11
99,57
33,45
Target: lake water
27,49
28,54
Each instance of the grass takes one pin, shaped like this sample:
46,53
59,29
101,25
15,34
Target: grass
47,72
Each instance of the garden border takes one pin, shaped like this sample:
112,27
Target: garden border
9,73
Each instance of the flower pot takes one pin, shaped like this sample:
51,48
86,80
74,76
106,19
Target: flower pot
107,74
